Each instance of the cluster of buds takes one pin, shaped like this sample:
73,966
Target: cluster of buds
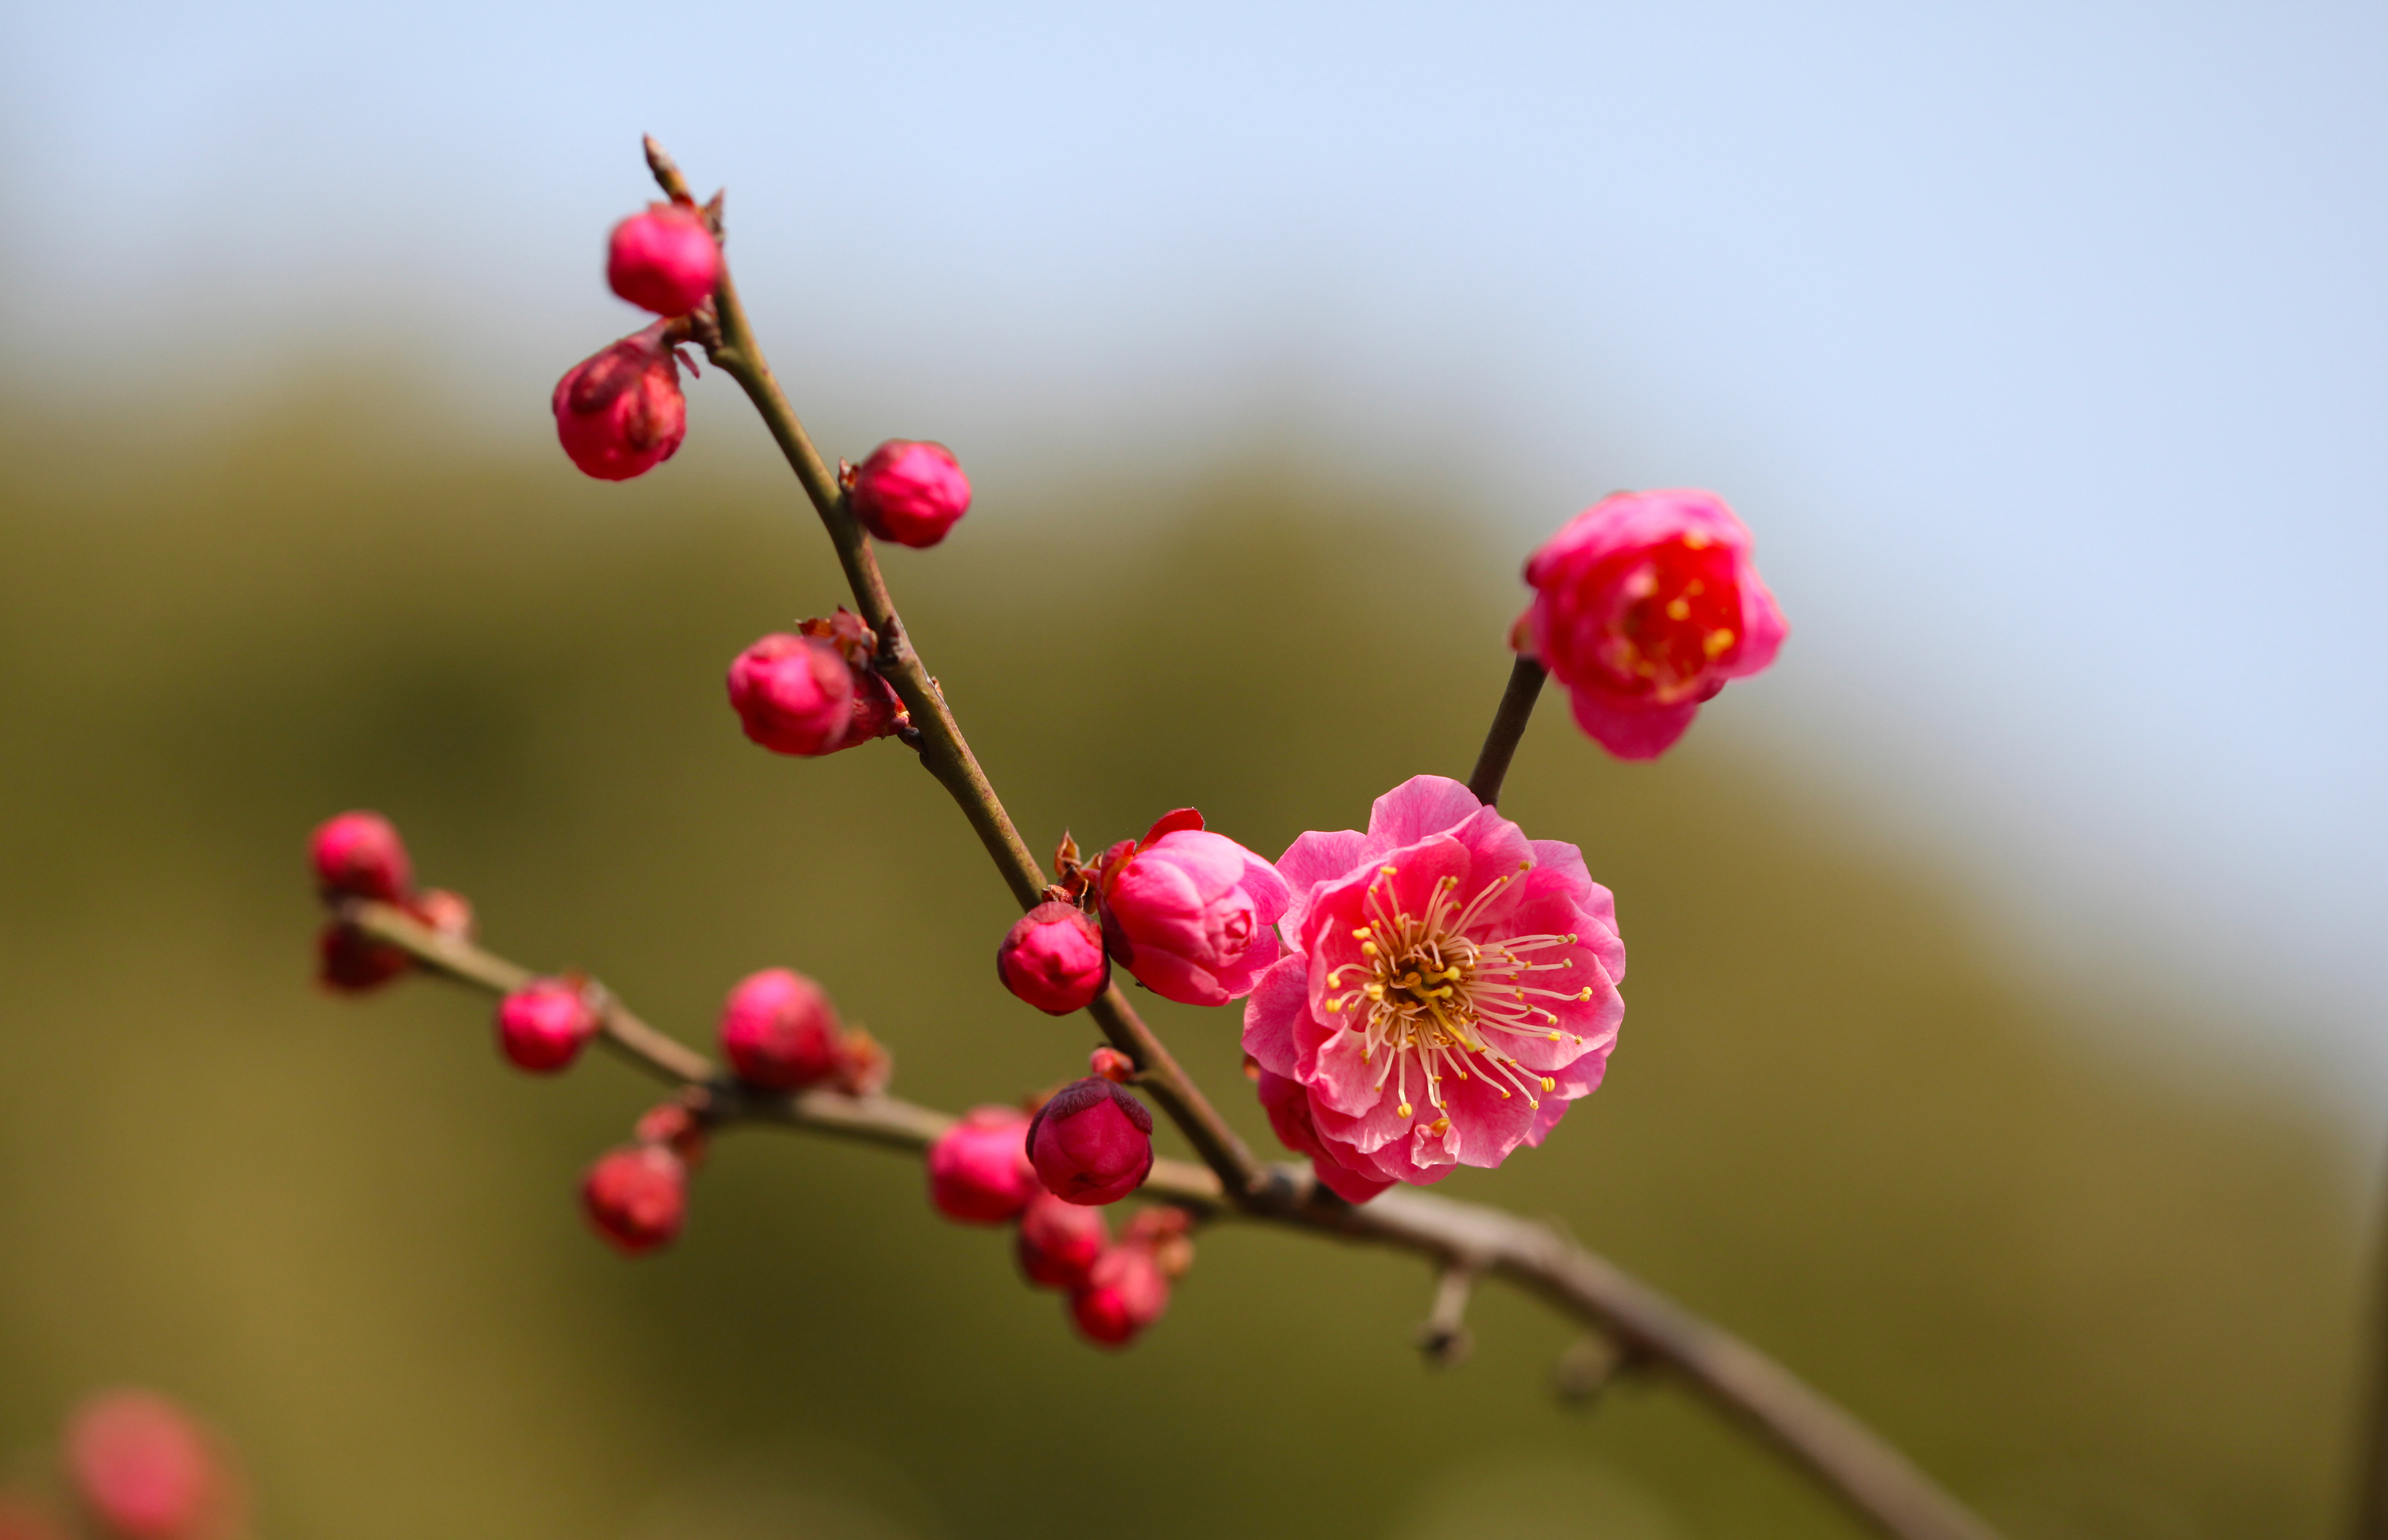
1048,1173
1189,913
815,692
359,856
138,1467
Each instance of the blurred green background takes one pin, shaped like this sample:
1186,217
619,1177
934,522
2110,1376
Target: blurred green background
2102,1288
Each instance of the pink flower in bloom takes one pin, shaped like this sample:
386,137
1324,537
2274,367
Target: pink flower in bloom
637,1197
145,1470
1644,605
663,259
1124,1292
542,1026
619,413
978,1170
359,855
911,493
1091,1142
1054,959
1190,911
1058,1241
780,1031
1452,988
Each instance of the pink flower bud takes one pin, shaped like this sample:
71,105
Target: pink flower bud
1054,959
1644,605
637,1197
1125,1292
146,1472
911,493
793,694
449,914
542,1024
1058,1241
663,259
1092,1142
1189,913
1111,1065
1166,1231
978,1170
359,855
349,961
619,413
780,1031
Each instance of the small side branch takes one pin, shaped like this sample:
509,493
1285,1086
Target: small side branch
1444,1339
1468,1241
1509,721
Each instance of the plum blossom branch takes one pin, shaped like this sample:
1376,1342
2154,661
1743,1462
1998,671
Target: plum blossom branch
1465,1241
936,734
1509,721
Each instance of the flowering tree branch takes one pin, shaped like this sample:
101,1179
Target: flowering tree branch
934,733
1465,1241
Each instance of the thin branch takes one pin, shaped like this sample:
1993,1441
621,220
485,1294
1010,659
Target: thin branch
942,746
1872,1480
1509,721
1444,1339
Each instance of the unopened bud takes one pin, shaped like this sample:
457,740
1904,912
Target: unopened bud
663,259
449,914
1053,958
1125,1292
636,1197
1111,1065
780,1031
542,1024
619,413
793,694
146,1472
864,1066
676,1127
1092,1142
349,962
1166,1231
911,493
978,1170
1058,1241
359,855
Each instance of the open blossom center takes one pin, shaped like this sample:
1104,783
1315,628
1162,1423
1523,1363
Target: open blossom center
1679,612
1437,1002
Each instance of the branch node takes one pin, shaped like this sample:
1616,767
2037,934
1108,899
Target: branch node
1590,1365
1445,1339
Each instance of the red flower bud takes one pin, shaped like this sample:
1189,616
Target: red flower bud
675,1126
542,1024
978,1170
793,694
780,1031
1092,1142
663,259
911,493
1058,1241
359,855
1054,959
637,1196
1125,1292
864,1066
619,413
146,1472
349,961
1111,1065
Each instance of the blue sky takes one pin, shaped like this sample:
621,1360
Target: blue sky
2045,347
